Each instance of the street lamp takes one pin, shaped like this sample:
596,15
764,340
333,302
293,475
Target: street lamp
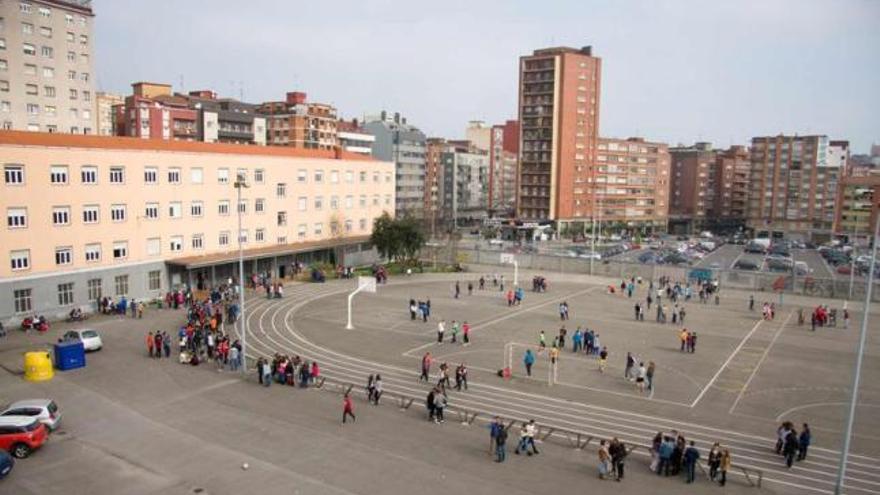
241,183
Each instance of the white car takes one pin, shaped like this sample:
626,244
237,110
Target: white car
90,339
45,410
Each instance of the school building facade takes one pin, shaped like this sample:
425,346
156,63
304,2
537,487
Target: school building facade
94,216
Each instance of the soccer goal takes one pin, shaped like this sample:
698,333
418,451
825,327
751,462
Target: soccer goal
543,367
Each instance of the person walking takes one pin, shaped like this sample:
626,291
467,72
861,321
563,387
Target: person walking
501,444
604,460
691,456
457,289
158,344
751,302
347,408
465,333
603,359
166,344
150,343
665,454
455,329
649,375
494,428
528,361
804,441
527,438
439,406
426,367
640,377
714,460
377,389
267,373
617,451
724,466
441,327
790,449
542,341
683,337
628,370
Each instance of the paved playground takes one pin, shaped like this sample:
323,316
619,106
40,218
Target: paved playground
160,427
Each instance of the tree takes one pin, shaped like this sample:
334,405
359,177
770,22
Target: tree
397,239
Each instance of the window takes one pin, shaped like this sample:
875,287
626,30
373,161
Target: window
362,201
95,292
282,218
387,199
319,202
49,92
174,175
224,238
154,280
31,89
319,228
348,225
362,224
68,19
196,175
58,174
120,250
71,38
198,241
90,214
242,174
301,230
243,236
45,32
260,235
4,65
154,246
301,175
349,202
71,57
29,49
223,207
334,176
74,94
89,174
176,243
175,209
259,205
363,176
281,239
195,209
223,176
387,176
27,28
83,40
60,215
281,190
47,51
120,283
71,75
151,175
349,176
152,211
14,174
117,213
22,298
242,206
16,218
258,176
93,252
334,202
319,176
63,255
375,176
117,175
5,106
33,109
4,86
45,12
302,203
20,260
49,73
334,228
2,43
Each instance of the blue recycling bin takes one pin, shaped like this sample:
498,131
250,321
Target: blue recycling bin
69,356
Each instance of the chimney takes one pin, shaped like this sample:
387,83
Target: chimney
587,50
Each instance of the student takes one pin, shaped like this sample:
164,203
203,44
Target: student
347,408
603,359
725,466
528,361
714,461
691,456
466,333
500,443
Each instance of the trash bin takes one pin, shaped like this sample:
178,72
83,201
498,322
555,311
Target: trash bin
69,356
38,366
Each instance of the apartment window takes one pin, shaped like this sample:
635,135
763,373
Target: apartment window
319,176
334,228
4,65
196,175
25,7
175,209
348,225
94,286
60,215
176,243
27,28
362,201
71,38
16,218
301,231
84,58
387,199
258,176
376,177
281,190
22,299
45,31
195,209
5,106
242,174
281,239
349,202
223,176
51,111
259,205
83,40
89,174
65,294
117,175
198,241
74,94
387,176
319,202
349,176
2,43
47,51
31,89
319,228
45,12
224,238
58,174
362,176
49,91
223,207
242,206
29,49
260,235
334,202
282,218
334,176
152,211
20,260
117,213
84,77
243,236
301,175
14,174
4,86
71,57
90,214
375,200
153,246
302,203
174,175
120,250
120,284
154,280
33,109
49,73
63,256
362,224
93,252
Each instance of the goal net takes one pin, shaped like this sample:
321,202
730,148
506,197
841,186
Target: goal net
542,368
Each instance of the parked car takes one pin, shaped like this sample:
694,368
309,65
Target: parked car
844,269
90,339
6,464
746,265
755,248
802,268
45,410
21,435
779,265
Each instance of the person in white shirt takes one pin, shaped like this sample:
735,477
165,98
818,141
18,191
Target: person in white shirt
441,327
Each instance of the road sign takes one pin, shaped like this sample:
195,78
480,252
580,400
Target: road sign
367,284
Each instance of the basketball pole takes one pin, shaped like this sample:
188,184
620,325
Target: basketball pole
361,286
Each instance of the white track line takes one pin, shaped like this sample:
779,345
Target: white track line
757,366
724,366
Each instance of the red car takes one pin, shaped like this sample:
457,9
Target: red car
20,435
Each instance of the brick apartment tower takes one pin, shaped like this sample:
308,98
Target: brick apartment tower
559,90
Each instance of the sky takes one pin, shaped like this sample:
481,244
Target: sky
676,71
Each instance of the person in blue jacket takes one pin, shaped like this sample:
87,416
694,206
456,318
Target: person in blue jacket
528,361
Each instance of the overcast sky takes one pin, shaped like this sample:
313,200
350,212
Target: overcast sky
675,71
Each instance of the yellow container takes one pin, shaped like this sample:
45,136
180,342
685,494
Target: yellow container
38,366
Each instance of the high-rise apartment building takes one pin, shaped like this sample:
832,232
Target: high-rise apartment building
503,157
352,138
559,93
793,184
464,183
632,185
297,123
732,168
226,120
104,103
46,66
434,148
478,134
858,206
404,144
153,112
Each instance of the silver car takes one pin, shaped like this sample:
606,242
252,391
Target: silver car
90,339
45,410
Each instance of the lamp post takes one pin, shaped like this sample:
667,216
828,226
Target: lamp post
241,183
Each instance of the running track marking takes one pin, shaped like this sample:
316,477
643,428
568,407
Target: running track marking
760,361
818,404
723,366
